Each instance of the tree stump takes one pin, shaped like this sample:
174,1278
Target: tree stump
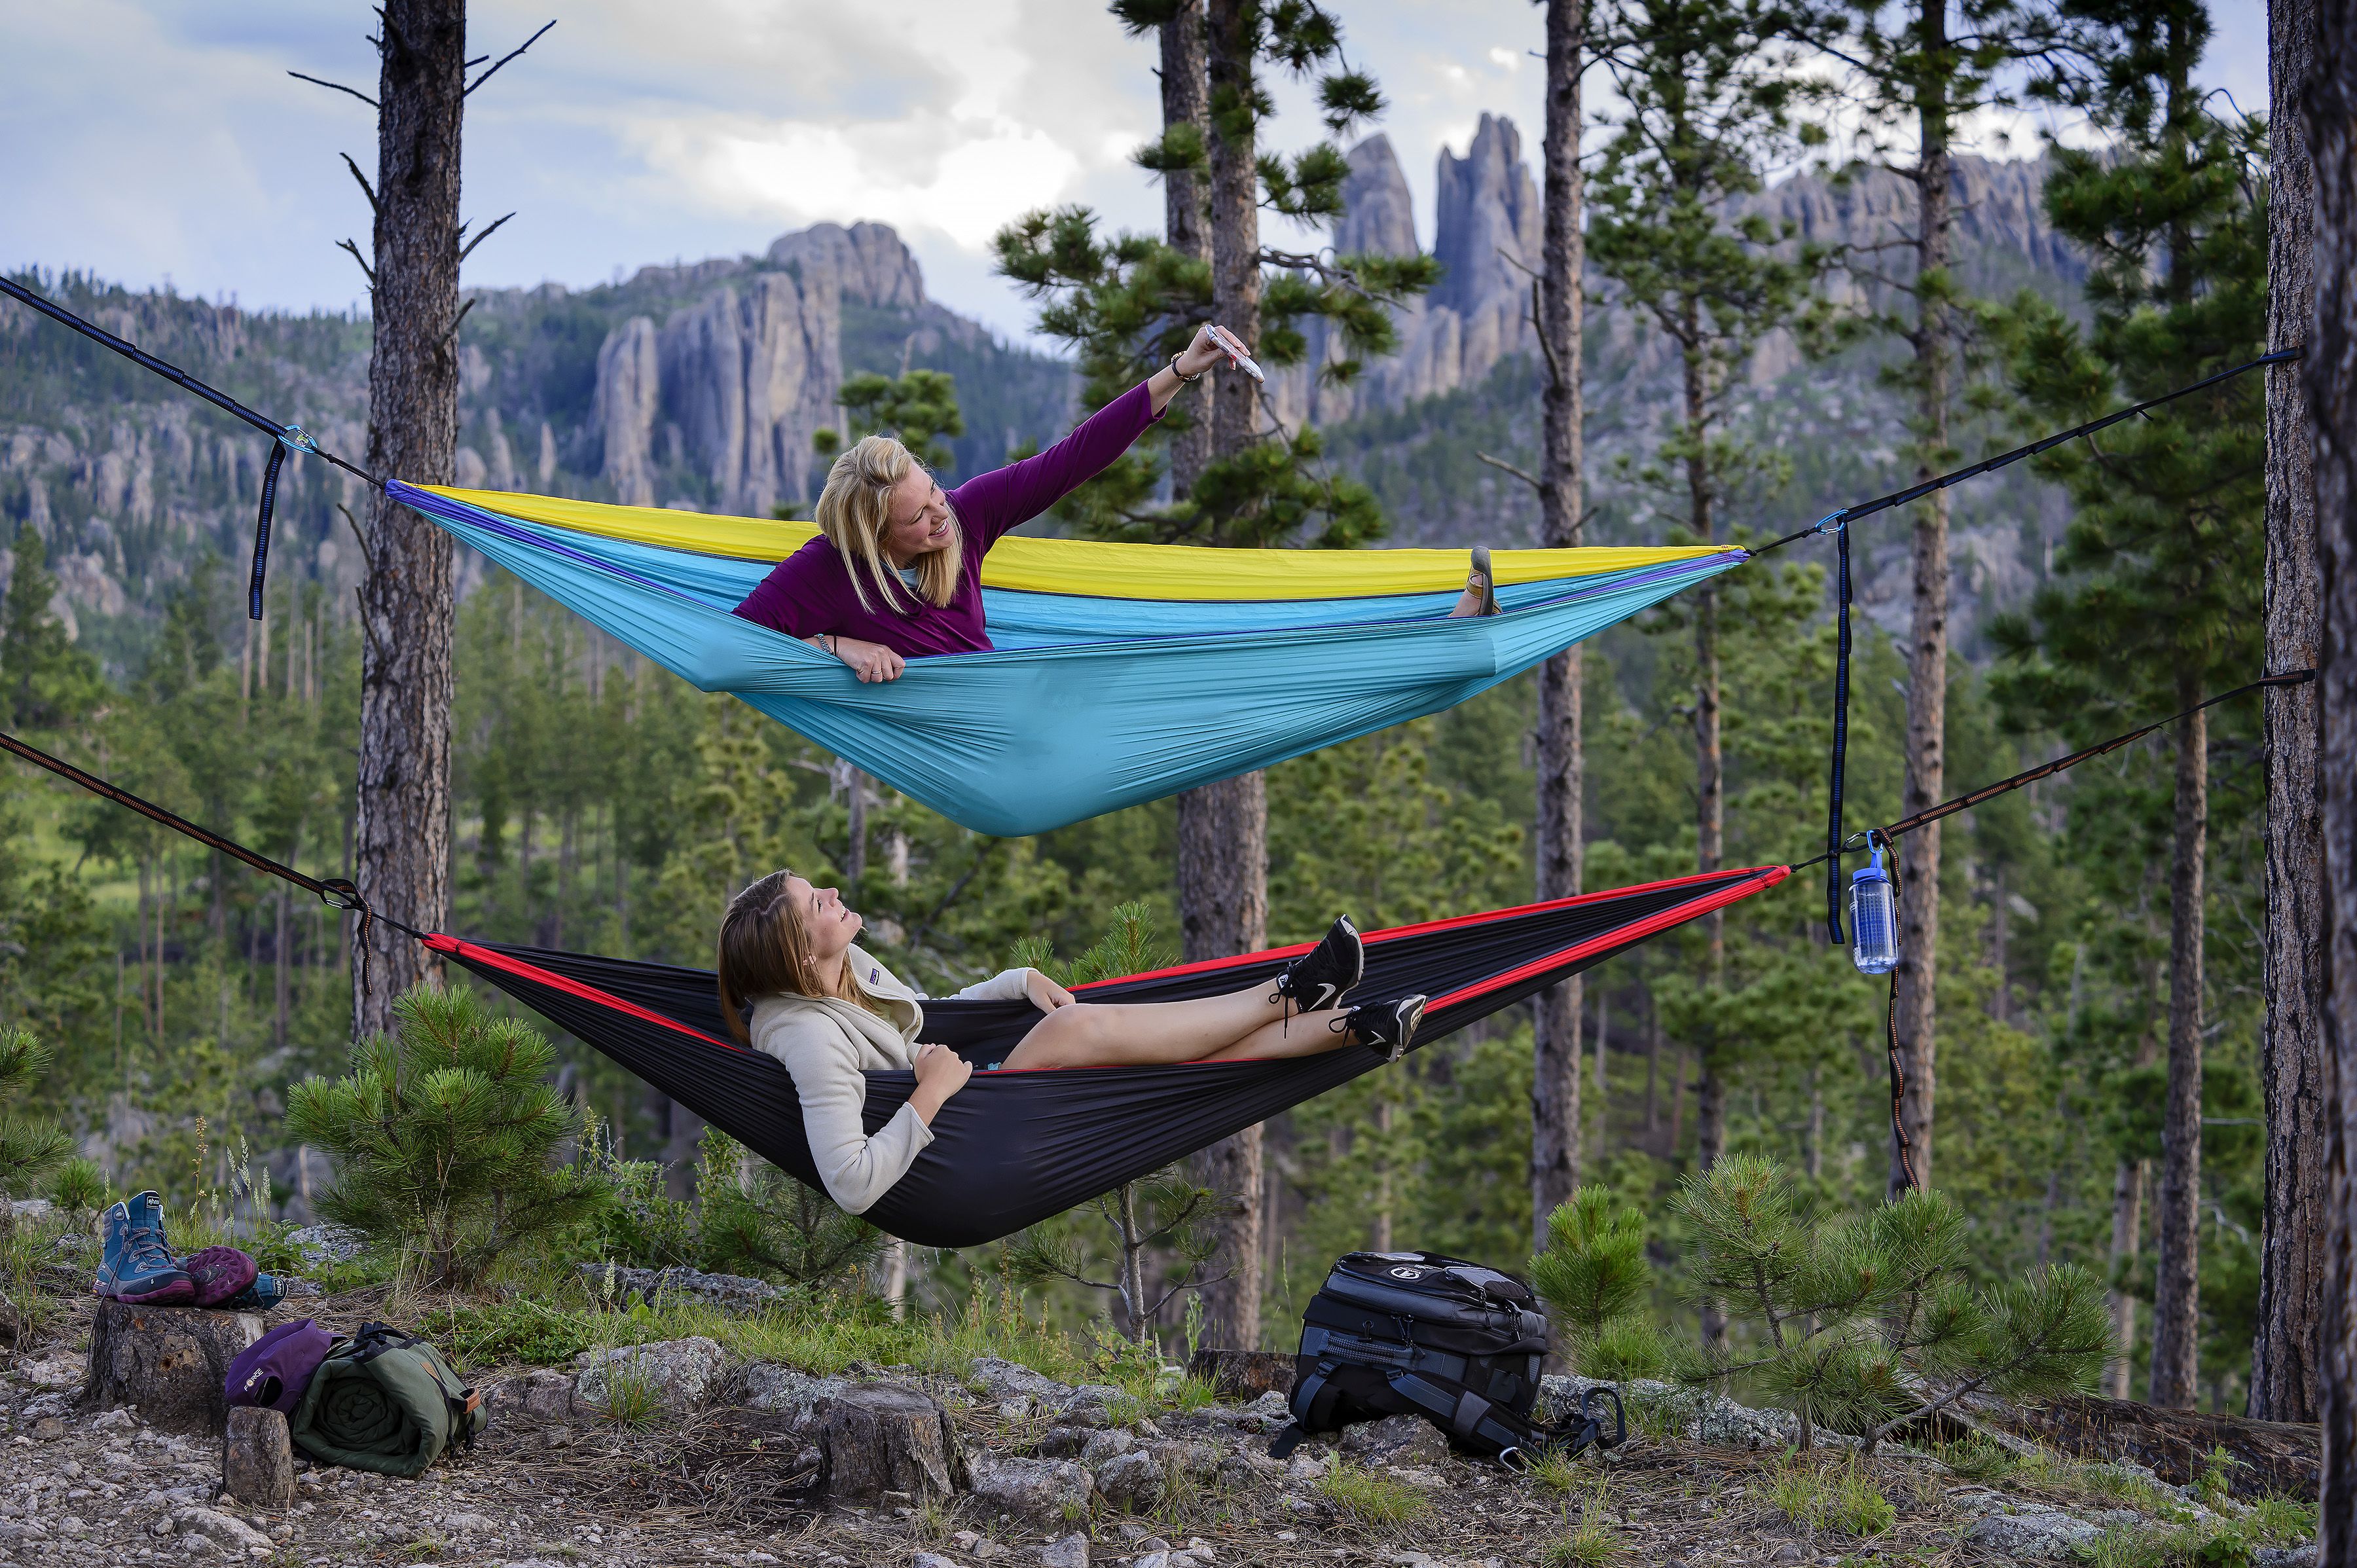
2265,1456
1243,1374
258,1457
877,1439
169,1361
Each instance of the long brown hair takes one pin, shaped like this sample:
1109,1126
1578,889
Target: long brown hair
764,952
854,510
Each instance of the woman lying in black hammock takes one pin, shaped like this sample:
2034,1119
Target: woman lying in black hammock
794,985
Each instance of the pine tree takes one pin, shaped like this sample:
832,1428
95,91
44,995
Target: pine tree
46,683
1710,96
29,1150
445,1138
1866,1323
1127,305
918,407
1594,1274
2157,605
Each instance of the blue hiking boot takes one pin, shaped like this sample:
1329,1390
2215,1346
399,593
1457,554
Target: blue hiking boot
136,1266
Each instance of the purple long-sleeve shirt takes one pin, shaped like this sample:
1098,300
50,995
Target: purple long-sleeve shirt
809,593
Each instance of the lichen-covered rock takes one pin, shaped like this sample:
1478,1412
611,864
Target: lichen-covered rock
731,1293
542,1396
1035,1489
317,1244
1103,1445
1132,1481
258,1457
2020,1529
1072,1551
1394,1440
684,1373
220,1529
765,1385
1007,1381
1188,1458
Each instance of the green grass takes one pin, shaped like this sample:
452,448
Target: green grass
1840,1497
1592,1545
1371,1500
1978,1458
505,1333
631,1399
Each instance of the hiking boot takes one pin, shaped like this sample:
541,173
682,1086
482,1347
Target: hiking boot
1385,1028
136,1266
1321,977
219,1273
266,1291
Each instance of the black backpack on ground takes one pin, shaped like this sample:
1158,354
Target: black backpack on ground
1420,1334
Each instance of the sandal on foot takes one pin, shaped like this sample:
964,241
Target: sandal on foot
1321,977
1488,588
1386,1028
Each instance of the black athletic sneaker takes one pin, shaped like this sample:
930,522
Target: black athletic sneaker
1321,977
1385,1027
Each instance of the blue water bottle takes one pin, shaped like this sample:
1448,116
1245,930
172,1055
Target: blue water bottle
1873,916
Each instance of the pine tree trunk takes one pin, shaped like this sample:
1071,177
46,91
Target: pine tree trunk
2177,1286
402,846
1186,99
1710,779
2128,1234
1223,827
2284,1351
1562,766
2330,372
1927,658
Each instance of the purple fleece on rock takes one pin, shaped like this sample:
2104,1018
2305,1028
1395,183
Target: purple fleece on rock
810,591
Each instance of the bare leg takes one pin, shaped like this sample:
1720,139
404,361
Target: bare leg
1312,1034
1150,1032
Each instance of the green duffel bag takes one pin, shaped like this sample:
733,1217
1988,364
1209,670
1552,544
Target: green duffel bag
385,1400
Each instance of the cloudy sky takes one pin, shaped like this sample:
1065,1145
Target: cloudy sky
156,141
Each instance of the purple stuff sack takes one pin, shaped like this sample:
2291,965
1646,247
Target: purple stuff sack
276,1369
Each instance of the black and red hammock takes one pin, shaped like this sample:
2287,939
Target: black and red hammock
1014,1147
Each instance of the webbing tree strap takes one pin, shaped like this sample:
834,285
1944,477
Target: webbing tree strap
284,438
337,892
1841,738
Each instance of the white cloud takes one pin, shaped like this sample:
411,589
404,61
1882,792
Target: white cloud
152,138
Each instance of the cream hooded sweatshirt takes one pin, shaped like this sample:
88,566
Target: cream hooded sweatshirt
827,1044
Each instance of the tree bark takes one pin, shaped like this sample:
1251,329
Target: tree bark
2127,1235
1562,765
1223,827
2330,372
2271,1459
2283,1351
2177,1284
1927,657
1185,228
402,850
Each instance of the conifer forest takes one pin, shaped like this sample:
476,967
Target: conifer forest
2088,1007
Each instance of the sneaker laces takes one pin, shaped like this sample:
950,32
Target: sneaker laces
143,1246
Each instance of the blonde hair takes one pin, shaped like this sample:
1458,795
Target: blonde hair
855,507
764,952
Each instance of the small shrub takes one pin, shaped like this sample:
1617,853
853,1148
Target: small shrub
643,1227
2282,1520
1368,1499
444,1138
79,1189
29,1150
1867,1322
1594,1274
757,1219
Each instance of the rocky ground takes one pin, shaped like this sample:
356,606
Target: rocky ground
727,1462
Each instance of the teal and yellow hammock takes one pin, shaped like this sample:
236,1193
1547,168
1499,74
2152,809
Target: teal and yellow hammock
1123,672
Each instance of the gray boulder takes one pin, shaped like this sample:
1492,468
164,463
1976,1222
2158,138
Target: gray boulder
1132,1481
1101,1446
1033,1489
684,1373
1006,1381
541,1395
1394,1440
731,1293
317,1244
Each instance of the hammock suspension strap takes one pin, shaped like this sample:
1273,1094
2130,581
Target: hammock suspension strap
284,439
